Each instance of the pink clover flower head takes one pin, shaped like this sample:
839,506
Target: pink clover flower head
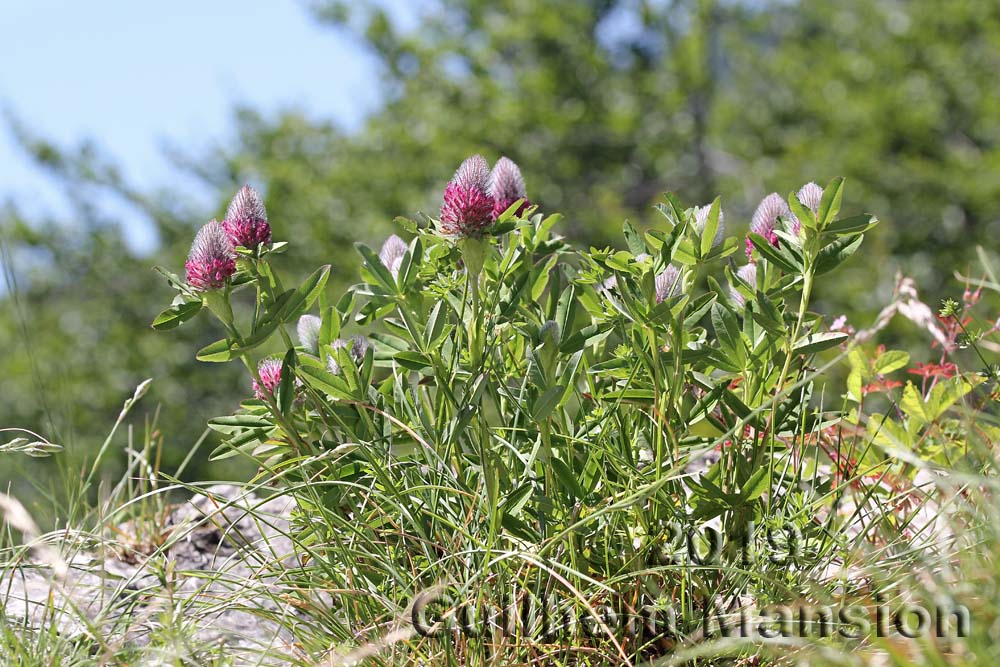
246,220
667,283
747,274
765,218
506,186
270,377
468,207
211,260
701,219
811,195
392,253
308,332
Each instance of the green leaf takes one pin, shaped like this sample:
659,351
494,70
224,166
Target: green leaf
755,486
829,205
802,212
834,254
216,352
547,402
891,361
773,255
727,330
329,330
375,269
238,423
912,404
303,297
711,227
818,342
542,278
633,239
176,315
852,225
410,266
414,361
286,389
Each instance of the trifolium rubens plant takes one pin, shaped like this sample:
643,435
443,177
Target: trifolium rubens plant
486,389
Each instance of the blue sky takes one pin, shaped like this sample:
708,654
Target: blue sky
132,76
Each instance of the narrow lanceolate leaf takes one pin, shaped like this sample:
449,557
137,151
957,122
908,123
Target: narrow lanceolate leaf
780,258
176,315
801,211
853,225
376,270
837,252
711,227
755,486
829,206
818,342
305,295
633,238
547,402
727,330
413,361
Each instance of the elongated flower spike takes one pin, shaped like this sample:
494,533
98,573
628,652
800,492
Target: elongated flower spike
701,219
468,207
747,274
211,261
811,195
308,331
667,283
765,218
506,186
246,220
270,377
392,253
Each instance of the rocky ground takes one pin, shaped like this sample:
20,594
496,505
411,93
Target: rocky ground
218,576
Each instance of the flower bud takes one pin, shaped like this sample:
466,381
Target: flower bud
747,274
468,207
550,332
211,261
246,220
765,218
269,371
668,283
308,331
358,349
811,195
391,254
506,186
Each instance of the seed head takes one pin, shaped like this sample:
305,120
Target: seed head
270,377
246,220
392,253
506,186
468,207
308,331
211,260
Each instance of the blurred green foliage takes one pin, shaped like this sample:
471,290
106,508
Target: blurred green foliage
605,104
